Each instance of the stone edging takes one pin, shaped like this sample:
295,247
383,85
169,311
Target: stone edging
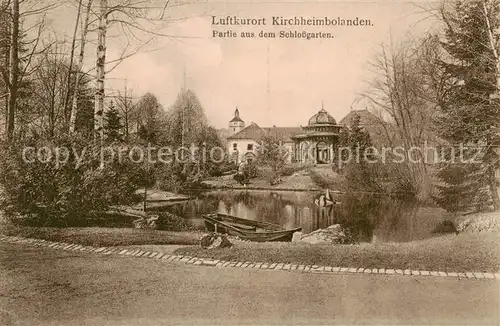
248,265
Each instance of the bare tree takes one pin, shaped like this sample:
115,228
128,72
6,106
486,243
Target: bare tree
493,38
136,20
4,55
149,118
20,62
494,43
13,79
127,109
401,91
4,7
100,69
79,68
49,90
404,94
71,57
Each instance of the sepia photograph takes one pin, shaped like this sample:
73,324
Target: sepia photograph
249,162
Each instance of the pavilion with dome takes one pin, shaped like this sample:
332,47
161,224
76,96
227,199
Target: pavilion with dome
317,141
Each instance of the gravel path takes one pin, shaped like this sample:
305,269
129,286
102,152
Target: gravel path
43,286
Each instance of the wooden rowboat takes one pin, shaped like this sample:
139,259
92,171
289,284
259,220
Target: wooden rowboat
247,229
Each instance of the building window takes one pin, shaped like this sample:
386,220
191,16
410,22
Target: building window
250,147
235,146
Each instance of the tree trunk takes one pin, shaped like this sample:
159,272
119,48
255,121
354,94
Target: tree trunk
495,174
126,110
52,114
74,106
493,185
13,70
71,59
100,71
5,33
126,125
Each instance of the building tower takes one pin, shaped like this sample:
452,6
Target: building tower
236,124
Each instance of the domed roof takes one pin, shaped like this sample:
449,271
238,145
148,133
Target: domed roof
322,117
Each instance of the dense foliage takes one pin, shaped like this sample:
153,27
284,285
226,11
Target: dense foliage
247,172
113,127
44,191
469,113
197,147
359,172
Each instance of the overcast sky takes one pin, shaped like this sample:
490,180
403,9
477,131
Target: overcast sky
299,74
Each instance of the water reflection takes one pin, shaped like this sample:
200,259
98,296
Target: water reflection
368,217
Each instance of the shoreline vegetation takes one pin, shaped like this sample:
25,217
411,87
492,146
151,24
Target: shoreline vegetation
300,178
473,249
450,252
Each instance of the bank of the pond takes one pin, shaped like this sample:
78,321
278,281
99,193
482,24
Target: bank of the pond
103,237
298,181
457,253
269,188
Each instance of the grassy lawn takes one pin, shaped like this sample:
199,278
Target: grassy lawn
104,237
457,253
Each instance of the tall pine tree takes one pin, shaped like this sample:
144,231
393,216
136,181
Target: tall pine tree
469,110
359,174
113,128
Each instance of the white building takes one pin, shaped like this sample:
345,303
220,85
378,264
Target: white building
313,143
243,142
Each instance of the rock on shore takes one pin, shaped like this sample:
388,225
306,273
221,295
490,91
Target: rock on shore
481,222
333,234
214,240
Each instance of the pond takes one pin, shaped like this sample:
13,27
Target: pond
371,217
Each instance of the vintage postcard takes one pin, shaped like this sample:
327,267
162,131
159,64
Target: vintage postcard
249,162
